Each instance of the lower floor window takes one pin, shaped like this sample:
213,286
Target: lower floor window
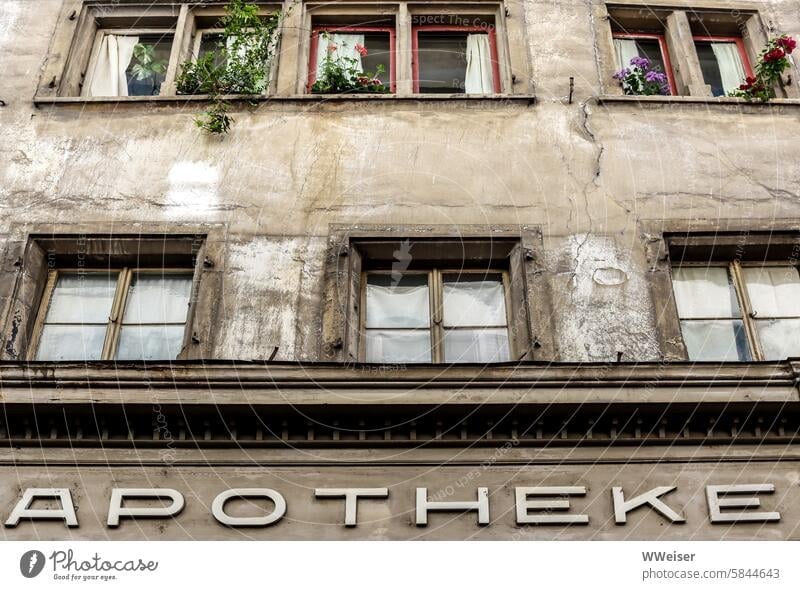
436,316
739,312
126,314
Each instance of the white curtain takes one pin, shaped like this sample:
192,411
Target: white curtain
109,79
478,78
731,69
345,47
626,51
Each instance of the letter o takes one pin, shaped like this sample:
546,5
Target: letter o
218,507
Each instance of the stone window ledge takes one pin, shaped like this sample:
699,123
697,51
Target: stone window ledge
295,98
696,100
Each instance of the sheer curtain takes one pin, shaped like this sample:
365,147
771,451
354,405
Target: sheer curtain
345,47
109,79
478,78
731,69
626,51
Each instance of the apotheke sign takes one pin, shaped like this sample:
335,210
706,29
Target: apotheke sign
534,505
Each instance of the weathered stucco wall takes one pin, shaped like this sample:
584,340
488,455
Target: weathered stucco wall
588,173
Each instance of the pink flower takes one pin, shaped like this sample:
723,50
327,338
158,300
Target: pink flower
331,47
363,80
361,49
375,81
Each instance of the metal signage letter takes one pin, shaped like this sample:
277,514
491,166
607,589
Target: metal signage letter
716,504
481,505
218,507
119,495
23,508
621,507
351,496
524,505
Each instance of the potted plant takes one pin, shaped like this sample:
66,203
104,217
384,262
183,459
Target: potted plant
238,65
772,63
641,78
147,72
340,74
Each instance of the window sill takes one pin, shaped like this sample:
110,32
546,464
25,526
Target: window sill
696,100
294,98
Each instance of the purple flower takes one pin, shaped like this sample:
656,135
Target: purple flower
653,76
622,74
640,62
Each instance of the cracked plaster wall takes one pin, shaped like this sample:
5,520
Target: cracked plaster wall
586,173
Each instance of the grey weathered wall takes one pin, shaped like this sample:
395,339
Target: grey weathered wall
589,173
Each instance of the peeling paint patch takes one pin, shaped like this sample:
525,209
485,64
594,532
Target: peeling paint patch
9,13
609,276
193,187
593,322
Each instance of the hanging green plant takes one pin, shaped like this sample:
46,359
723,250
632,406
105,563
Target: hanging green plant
240,63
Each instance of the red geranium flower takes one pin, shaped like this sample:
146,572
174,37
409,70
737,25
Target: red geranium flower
361,49
775,55
786,43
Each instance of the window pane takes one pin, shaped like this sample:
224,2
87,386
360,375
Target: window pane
157,298
476,346
651,49
82,298
398,301
442,62
721,65
780,339
704,292
71,343
774,291
710,68
211,42
398,346
378,53
715,340
474,302
149,342
148,67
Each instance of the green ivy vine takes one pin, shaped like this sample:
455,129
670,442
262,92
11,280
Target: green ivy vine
239,63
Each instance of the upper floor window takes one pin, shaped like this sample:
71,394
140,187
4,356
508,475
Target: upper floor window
130,62
125,314
352,57
436,316
739,311
455,59
723,61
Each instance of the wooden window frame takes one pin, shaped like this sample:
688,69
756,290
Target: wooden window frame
662,44
748,318
316,30
491,31
436,310
115,323
748,68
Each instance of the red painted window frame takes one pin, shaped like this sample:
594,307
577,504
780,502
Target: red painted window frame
459,29
315,31
662,44
748,68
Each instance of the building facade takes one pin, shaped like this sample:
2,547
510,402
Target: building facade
499,299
